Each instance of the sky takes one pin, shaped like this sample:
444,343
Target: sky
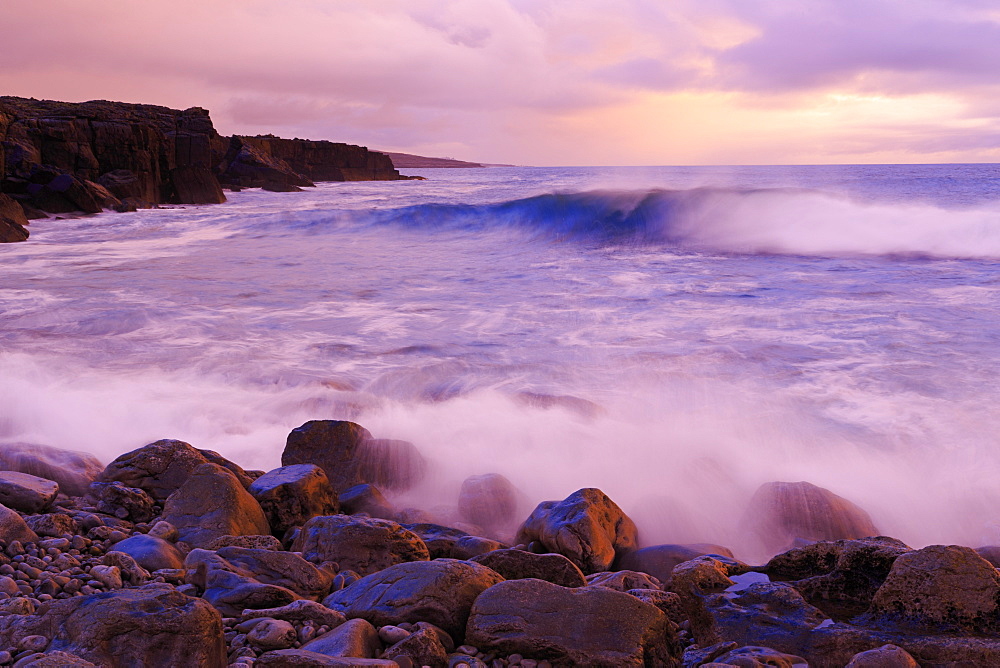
542,82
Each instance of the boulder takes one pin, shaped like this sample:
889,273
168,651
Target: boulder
349,455
440,540
231,592
160,468
489,501
300,611
468,547
212,503
151,553
781,512
587,527
12,220
355,638
150,625
990,553
73,471
886,656
13,527
838,577
130,569
285,569
585,626
53,660
440,592
252,542
53,525
519,564
365,498
943,586
659,560
288,658
624,580
25,492
759,657
363,545
127,503
291,495
272,634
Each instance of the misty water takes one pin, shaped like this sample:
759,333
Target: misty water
674,336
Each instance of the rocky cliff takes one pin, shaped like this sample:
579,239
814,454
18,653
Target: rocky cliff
60,157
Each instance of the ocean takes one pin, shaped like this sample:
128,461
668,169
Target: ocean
674,336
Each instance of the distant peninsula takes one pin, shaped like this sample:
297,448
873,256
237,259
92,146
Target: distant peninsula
408,161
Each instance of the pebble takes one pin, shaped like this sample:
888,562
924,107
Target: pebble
391,635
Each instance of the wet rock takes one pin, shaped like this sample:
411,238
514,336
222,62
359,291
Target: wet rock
355,638
14,528
668,602
440,540
624,580
285,569
272,634
252,542
212,503
587,527
391,464
127,503
591,626
468,547
160,468
151,553
364,545
25,492
659,560
422,648
53,525
293,494
759,657
941,586
287,658
130,569
839,577
440,592
489,500
12,220
365,498
886,656
73,471
518,564
231,593
300,611
149,625
54,659
781,512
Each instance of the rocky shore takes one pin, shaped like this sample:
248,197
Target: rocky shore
61,157
174,556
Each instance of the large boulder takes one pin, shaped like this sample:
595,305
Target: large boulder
150,552
291,495
519,564
365,498
439,539
364,545
586,626
489,501
13,527
440,592
349,455
25,492
131,503
659,560
945,586
355,637
212,503
145,626
781,512
74,471
160,468
886,656
12,220
587,527
423,647
285,569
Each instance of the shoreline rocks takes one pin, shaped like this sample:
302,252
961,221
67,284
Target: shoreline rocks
168,558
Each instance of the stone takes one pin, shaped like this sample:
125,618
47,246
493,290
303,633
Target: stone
440,540
659,560
212,503
272,634
781,512
363,545
12,220
55,659
287,658
886,656
285,569
149,625
54,525
946,586
839,577
668,602
131,503
759,657
13,527
440,592
518,564
160,468
422,648
292,495
587,527
231,592
354,638
111,576
592,626
252,542
468,547
165,531
130,569
151,553
489,500
624,580
391,464
73,471
25,492
300,611
365,498
990,553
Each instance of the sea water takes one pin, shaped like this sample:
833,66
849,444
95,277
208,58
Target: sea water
673,336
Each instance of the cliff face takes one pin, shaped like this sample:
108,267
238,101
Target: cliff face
59,157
